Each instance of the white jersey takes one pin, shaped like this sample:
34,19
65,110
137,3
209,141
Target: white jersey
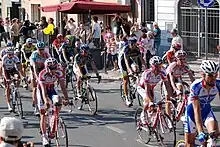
10,63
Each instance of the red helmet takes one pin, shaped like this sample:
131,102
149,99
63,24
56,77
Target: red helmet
176,46
59,36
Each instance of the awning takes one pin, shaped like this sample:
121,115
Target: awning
79,7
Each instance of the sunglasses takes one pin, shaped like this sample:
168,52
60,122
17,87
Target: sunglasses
41,49
52,67
212,74
10,54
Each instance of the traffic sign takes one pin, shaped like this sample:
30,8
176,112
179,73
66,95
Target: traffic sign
206,3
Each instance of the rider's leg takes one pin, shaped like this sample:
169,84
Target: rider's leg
0,69
78,85
7,94
190,139
190,131
211,123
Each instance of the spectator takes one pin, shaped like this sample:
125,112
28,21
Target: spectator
150,47
11,130
82,33
126,26
2,33
118,24
70,27
64,22
144,28
15,31
157,38
136,31
7,26
26,30
96,32
176,38
43,23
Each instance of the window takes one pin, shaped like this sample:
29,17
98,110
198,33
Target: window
35,12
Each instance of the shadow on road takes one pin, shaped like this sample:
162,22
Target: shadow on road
107,90
216,108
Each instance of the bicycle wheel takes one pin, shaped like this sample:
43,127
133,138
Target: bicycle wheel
92,100
19,104
61,136
140,99
143,131
122,91
180,143
166,128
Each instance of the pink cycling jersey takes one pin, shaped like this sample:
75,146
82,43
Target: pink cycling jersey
48,79
149,78
177,70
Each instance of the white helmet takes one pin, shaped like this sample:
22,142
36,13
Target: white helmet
209,66
155,60
180,53
51,63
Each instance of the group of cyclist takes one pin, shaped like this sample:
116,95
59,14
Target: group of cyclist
198,111
45,71
49,67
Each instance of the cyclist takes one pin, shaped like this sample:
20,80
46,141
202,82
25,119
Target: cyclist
79,67
57,44
11,68
129,55
170,55
26,50
67,50
176,69
149,79
37,65
198,112
2,53
46,93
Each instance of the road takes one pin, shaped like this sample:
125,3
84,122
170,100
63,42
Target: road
112,127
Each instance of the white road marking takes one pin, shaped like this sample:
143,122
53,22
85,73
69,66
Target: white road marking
115,129
139,141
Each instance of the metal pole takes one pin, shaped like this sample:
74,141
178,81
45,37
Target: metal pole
206,34
199,51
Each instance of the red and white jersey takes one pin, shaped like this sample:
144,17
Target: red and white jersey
177,70
148,77
49,79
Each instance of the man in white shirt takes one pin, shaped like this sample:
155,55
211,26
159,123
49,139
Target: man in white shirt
176,38
7,27
96,32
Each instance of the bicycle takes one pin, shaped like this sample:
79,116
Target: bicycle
211,140
26,79
156,126
133,80
56,125
15,97
88,96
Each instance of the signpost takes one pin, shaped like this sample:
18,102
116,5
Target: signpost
206,4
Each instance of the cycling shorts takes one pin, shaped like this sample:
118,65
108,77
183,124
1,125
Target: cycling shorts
10,73
189,122
83,70
50,93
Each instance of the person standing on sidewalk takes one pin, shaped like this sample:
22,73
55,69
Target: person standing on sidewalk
176,38
96,32
14,31
7,26
157,38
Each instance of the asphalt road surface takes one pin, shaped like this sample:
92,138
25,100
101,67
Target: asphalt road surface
113,126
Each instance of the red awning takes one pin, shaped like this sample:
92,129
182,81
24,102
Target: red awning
79,7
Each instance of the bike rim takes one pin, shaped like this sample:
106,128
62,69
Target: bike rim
61,135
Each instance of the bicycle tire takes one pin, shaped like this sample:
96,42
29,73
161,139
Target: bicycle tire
94,98
180,143
19,105
138,125
122,91
13,101
64,131
140,100
171,129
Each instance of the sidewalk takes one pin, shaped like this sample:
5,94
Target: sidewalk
192,61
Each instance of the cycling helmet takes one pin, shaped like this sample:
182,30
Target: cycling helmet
69,37
40,45
51,63
9,44
180,53
29,41
155,60
174,31
59,36
176,46
84,47
10,50
209,66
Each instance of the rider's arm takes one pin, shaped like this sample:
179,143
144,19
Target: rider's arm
22,50
126,63
63,88
35,70
191,76
44,91
197,113
148,97
142,61
64,55
94,67
172,81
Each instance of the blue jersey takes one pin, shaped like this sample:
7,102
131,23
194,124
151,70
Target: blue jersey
198,91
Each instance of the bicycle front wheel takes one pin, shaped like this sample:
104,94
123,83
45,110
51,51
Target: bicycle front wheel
19,105
180,143
166,131
122,91
61,135
143,130
92,101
